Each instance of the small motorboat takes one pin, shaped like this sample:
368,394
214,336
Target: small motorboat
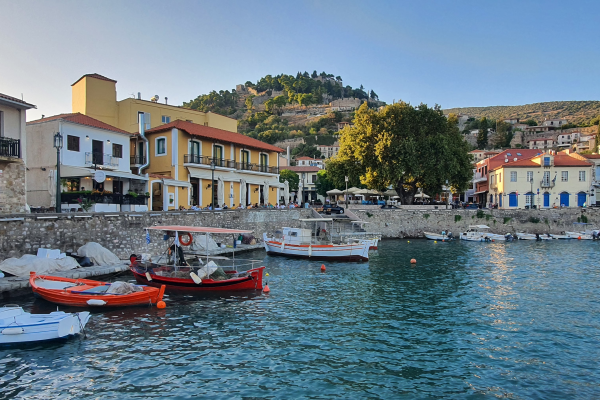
18,326
532,236
182,270
480,233
88,293
444,237
562,237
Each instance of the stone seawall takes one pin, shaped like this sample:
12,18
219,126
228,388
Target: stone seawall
123,233
412,223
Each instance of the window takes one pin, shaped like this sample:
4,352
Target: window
195,148
146,119
508,154
206,124
529,176
264,162
218,155
72,143
519,154
71,184
245,159
513,176
161,146
546,161
581,176
564,176
117,150
546,177
313,178
500,177
166,119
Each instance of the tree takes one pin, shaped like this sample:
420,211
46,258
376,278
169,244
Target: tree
373,95
290,176
530,122
503,134
306,151
482,136
406,147
314,74
248,103
323,183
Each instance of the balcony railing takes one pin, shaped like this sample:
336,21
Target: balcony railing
242,166
10,147
547,183
138,160
101,159
72,198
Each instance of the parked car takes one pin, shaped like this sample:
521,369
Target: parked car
332,209
389,207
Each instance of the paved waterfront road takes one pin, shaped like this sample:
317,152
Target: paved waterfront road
470,320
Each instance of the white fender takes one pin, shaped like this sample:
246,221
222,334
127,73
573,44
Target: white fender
283,245
195,278
13,331
96,302
148,276
309,250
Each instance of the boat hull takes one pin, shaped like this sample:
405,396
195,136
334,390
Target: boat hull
436,236
23,327
71,297
251,282
342,252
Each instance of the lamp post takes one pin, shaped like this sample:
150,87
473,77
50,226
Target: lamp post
212,183
58,144
531,195
346,179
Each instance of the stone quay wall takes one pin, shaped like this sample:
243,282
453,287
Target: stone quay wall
124,233
412,223
12,187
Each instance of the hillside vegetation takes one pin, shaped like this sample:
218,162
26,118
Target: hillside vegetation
576,112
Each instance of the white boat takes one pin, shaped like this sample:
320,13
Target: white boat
556,236
480,233
585,235
532,236
439,236
18,326
357,233
315,243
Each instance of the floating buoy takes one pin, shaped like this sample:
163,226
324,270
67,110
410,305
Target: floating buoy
492,240
323,268
413,261
161,304
267,274
579,238
435,241
443,240
408,241
266,289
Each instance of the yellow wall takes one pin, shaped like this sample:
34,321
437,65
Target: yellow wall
96,98
160,164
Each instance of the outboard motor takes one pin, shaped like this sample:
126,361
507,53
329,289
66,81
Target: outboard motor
537,237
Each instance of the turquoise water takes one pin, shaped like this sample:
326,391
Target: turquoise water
470,320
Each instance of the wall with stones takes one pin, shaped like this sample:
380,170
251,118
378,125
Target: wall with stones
12,187
124,233
409,223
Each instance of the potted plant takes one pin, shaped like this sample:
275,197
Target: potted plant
85,204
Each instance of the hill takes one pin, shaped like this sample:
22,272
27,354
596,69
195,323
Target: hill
576,112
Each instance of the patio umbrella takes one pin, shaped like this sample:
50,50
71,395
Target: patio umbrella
52,187
353,190
266,193
390,192
220,192
286,192
334,192
243,194
300,188
421,196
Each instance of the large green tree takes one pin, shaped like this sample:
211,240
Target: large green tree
323,183
290,176
404,147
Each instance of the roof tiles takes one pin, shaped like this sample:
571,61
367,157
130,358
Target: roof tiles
78,118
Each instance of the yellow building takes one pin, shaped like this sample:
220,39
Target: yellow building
245,171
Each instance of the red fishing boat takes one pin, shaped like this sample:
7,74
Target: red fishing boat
85,292
183,270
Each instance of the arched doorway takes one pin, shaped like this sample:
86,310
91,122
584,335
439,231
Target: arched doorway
581,199
564,199
546,199
512,200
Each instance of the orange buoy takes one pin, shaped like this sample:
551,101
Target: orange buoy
413,261
266,289
492,240
161,304
579,238
323,268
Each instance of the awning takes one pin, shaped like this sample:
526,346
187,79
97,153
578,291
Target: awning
483,191
173,182
67,171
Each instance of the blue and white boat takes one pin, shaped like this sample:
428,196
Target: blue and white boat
18,326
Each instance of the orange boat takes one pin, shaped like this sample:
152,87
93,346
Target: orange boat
86,293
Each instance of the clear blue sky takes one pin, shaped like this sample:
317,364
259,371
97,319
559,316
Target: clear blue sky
454,53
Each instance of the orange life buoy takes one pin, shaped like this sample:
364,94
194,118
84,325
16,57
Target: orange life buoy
185,243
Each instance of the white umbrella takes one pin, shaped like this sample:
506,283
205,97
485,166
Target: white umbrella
334,192
243,193
353,190
300,187
52,187
266,193
286,192
421,196
390,192
220,192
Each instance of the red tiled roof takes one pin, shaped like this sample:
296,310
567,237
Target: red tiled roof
498,160
10,98
97,76
591,156
516,164
218,135
303,169
78,118
564,160
306,158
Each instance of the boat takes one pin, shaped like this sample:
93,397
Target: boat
558,236
479,233
181,269
356,234
444,237
18,326
532,236
587,234
315,243
89,293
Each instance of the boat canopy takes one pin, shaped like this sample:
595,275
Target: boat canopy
197,229
479,226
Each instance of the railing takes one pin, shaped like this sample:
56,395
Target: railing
10,147
137,160
547,183
113,198
101,159
242,166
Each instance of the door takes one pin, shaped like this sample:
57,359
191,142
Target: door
529,200
546,199
218,155
245,159
500,200
263,163
195,191
98,152
564,199
512,200
141,156
581,199
195,152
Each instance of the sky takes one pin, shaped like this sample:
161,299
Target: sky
452,53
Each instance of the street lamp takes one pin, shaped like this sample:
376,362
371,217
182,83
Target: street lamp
346,179
58,144
212,183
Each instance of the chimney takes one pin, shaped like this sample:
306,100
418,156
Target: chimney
139,96
166,100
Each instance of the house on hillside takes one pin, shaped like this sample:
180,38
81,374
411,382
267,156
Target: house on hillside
328,151
13,156
511,121
544,143
556,123
309,162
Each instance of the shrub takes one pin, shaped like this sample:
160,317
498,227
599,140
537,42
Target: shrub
534,220
480,214
457,218
425,216
488,216
584,219
506,220
369,214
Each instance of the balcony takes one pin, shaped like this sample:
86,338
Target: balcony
494,185
137,160
105,160
479,177
547,183
10,148
219,162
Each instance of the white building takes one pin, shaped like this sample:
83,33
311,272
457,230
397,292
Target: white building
309,162
541,143
89,145
329,151
557,123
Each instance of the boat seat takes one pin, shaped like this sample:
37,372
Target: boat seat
45,284
91,289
